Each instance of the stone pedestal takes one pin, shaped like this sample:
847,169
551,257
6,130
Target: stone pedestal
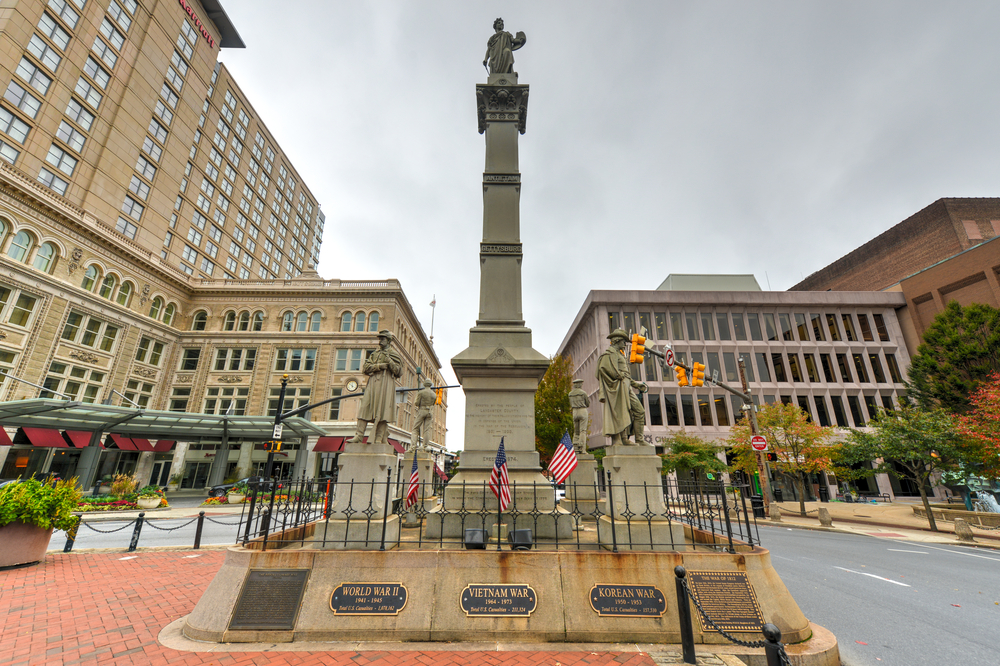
581,488
635,507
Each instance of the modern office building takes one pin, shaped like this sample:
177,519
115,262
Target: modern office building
157,246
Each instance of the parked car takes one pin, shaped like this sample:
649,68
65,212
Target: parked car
220,490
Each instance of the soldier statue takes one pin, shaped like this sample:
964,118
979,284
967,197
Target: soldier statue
378,404
579,401
424,402
622,409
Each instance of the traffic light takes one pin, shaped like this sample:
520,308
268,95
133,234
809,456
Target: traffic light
697,374
440,397
274,446
682,377
772,457
638,348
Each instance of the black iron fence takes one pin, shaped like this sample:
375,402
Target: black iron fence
623,516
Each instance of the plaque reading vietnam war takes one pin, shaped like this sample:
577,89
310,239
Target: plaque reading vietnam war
627,600
270,599
368,599
491,599
727,598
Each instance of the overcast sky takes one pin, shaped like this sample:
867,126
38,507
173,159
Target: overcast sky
739,137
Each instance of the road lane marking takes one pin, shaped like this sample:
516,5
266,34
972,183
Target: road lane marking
862,573
130,557
900,550
958,552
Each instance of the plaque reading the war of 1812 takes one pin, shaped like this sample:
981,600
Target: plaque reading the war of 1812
270,599
727,598
492,599
368,599
609,599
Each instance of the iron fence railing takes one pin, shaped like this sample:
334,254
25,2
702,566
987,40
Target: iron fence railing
626,516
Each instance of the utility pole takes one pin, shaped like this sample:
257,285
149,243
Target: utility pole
275,444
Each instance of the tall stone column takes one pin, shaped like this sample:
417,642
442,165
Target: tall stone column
500,370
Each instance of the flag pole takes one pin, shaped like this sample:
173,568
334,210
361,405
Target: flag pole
434,301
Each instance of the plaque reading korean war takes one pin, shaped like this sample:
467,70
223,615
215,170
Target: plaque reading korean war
270,599
368,599
727,598
627,600
491,599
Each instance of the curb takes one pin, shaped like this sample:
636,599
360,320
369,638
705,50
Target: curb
820,528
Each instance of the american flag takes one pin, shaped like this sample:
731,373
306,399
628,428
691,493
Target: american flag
563,460
414,488
499,482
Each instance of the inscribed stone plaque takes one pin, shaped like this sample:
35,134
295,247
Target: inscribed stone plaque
609,599
270,599
368,599
490,599
727,598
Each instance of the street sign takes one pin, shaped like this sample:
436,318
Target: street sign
277,431
759,443
668,358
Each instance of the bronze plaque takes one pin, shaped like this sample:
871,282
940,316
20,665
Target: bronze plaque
727,598
491,599
270,600
627,600
368,599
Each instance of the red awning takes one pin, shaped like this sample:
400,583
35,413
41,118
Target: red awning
396,445
142,444
121,442
163,445
5,438
78,438
440,472
40,437
329,444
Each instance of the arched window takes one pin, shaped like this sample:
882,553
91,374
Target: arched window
154,309
19,247
345,322
200,321
287,321
107,289
359,321
44,256
168,314
373,322
230,322
244,321
314,321
300,321
258,321
3,230
125,294
90,277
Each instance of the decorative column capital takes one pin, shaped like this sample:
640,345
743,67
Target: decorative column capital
501,102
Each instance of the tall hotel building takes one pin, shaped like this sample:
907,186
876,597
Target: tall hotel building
157,247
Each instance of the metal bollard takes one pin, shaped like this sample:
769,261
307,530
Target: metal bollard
265,522
71,535
684,617
197,530
772,644
135,533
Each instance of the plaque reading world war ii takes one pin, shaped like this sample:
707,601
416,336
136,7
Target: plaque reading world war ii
627,600
270,599
368,599
727,598
490,599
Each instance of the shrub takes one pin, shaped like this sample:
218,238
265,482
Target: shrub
124,484
45,505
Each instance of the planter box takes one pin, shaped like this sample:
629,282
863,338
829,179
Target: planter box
148,503
22,544
235,498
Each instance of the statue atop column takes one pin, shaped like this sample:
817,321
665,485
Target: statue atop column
500,49
378,404
579,401
424,402
622,408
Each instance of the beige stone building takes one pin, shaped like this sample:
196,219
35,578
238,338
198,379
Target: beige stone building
156,244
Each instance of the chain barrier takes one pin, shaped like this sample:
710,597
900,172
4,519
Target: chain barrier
169,529
786,512
219,522
983,527
117,529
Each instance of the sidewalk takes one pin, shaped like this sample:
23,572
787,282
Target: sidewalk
894,520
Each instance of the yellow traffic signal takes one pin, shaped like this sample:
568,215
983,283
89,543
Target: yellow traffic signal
440,397
635,356
697,374
274,446
682,378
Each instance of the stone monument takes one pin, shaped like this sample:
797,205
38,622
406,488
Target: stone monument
500,371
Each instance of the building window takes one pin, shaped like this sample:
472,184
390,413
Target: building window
345,322
168,313
20,246
20,305
777,360
16,128
200,321
149,351
77,383
235,359
155,307
859,366
849,328
793,366
335,405
258,321
838,411
65,12
179,399
33,76
43,258
866,329
877,368
883,333
845,369
97,74
301,321
890,360
811,372
89,332
828,373
654,412
691,320
295,360
218,400
754,321
139,393
52,181
189,359
786,327
772,333
108,285
762,367
293,398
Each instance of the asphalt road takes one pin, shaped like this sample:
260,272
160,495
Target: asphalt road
893,602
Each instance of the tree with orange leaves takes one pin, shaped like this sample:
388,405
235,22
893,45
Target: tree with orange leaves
982,423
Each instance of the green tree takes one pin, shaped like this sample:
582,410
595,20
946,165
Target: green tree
921,442
690,453
553,415
982,424
801,447
960,349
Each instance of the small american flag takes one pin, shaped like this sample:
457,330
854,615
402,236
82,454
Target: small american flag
563,460
413,490
499,482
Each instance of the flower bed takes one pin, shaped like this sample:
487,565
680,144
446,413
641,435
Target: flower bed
111,503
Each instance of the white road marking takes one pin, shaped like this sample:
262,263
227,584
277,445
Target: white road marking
130,557
187,556
862,573
958,552
898,550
